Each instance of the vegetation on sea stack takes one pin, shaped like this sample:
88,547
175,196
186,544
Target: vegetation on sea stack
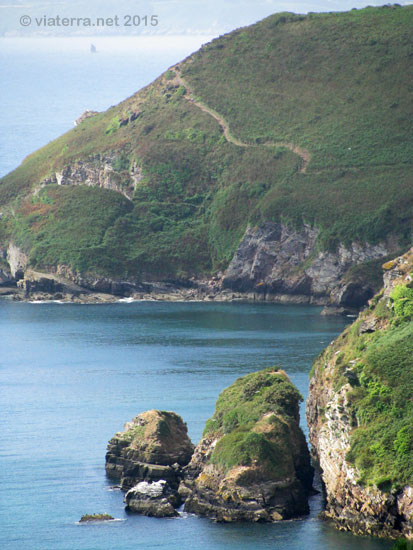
254,419
252,463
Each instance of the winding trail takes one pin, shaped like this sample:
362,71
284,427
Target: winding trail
189,96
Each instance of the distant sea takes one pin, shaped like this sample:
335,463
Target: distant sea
72,375
46,83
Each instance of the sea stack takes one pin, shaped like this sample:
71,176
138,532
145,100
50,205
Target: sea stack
147,458
252,463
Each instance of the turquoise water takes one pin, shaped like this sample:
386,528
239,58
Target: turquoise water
71,375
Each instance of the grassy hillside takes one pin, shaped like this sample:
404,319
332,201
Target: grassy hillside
337,86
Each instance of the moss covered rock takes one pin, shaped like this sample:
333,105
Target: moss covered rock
252,463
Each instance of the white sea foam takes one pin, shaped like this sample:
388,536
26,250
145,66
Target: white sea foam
113,488
47,302
114,520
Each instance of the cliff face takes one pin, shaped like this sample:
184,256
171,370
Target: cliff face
276,261
252,463
272,263
104,171
359,414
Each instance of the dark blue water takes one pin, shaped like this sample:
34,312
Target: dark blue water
71,375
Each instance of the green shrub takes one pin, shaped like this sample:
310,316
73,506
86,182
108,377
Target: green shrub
402,298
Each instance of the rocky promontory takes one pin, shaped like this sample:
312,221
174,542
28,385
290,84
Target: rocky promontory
252,463
360,413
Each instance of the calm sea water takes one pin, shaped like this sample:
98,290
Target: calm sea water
71,375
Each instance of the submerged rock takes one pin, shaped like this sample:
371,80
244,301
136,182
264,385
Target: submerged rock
88,518
252,463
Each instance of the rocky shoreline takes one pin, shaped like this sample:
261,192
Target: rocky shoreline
47,287
273,263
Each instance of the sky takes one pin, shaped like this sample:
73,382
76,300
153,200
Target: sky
132,17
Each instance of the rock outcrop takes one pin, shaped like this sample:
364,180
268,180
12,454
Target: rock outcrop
95,518
107,171
17,260
5,273
359,414
283,263
154,447
155,499
85,115
252,463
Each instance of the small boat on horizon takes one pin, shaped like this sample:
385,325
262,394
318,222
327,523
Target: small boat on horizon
93,48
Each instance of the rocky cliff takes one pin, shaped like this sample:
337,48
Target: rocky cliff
281,263
360,413
252,463
272,263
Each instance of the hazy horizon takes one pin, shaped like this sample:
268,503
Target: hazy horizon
173,17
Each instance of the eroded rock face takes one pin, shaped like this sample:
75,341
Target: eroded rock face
99,172
252,463
154,499
333,418
275,259
17,260
154,446
266,255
